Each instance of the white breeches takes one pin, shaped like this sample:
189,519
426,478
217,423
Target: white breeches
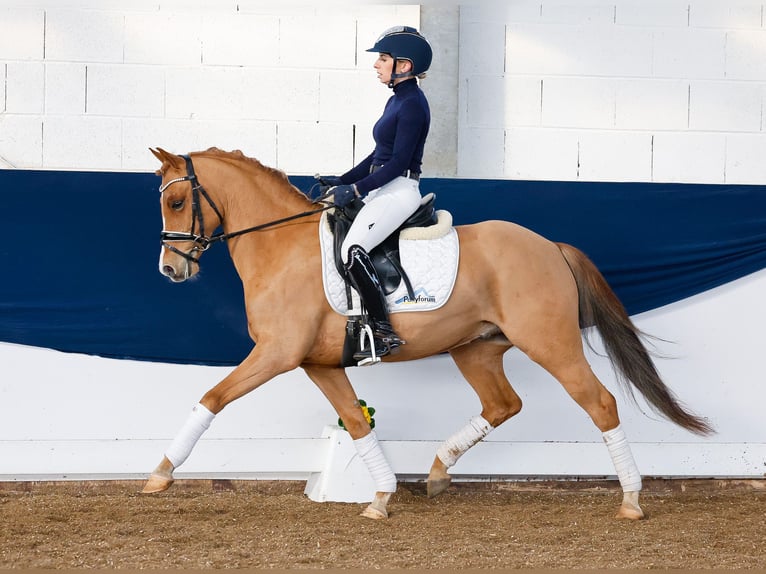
385,209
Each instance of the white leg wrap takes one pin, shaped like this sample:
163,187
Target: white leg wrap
198,422
456,445
622,457
370,452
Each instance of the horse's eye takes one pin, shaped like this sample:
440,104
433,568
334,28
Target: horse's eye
177,204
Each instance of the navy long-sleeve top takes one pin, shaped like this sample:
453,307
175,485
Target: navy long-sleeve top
400,136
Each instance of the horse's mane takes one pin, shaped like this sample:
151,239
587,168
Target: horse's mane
236,156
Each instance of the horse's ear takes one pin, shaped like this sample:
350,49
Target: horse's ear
167,157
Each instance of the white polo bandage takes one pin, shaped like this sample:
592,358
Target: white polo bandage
196,424
370,452
456,445
622,457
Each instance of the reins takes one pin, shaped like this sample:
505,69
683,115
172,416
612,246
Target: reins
201,241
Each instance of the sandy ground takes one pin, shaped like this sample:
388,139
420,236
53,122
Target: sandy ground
224,524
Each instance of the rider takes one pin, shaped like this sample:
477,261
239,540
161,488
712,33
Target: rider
387,179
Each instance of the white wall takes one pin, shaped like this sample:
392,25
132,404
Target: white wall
625,90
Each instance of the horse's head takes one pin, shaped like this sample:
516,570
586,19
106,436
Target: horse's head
188,213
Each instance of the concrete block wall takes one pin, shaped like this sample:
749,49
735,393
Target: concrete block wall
621,90
609,90
92,84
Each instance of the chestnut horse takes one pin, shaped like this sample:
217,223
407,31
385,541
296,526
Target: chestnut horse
514,288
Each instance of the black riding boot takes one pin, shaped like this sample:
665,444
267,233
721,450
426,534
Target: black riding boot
364,278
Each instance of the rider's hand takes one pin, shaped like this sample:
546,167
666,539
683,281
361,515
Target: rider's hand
344,194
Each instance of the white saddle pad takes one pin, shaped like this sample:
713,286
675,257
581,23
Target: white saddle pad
429,255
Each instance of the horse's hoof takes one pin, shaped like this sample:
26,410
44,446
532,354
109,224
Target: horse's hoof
374,513
630,513
436,486
156,483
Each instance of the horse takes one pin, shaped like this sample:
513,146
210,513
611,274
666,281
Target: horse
514,288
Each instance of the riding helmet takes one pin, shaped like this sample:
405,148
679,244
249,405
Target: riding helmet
405,43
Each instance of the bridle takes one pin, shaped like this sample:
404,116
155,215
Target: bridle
202,242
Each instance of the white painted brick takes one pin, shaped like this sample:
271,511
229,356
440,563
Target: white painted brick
578,102
240,40
615,156
82,142
125,91
22,32
684,53
21,141
651,104
3,74
574,13
744,159
725,106
745,55
25,88
541,154
171,38
253,138
496,101
727,15
309,148
578,50
689,157
64,88
351,96
364,143
663,13
523,101
516,11
319,42
481,152
482,48
84,36
242,93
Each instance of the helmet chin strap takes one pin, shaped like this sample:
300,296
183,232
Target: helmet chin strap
395,76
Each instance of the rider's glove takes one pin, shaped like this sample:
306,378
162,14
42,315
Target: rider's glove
344,194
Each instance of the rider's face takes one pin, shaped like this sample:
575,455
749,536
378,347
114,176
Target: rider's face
383,66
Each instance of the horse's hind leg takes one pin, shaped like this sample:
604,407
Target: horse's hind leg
575,375
481,363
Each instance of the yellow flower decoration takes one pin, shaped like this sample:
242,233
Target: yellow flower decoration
368,412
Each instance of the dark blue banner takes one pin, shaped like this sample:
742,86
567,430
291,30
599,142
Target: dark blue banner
80,254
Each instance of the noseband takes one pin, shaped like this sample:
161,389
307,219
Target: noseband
201,241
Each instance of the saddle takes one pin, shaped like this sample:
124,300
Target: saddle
385,257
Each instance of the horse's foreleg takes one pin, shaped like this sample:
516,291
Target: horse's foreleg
250,374
481,363
334,384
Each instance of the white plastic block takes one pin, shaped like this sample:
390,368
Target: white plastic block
689,157
481,152
615,156
82,142
673,13
652,104
744,159
240,40
728,15
163,37
544,154
84,36
22,33
318,42
689,53
725,106
125,91
65,88
306,148
575,13
482,48
21,141
745,55
578,102
25,88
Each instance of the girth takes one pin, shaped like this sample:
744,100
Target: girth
385,257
